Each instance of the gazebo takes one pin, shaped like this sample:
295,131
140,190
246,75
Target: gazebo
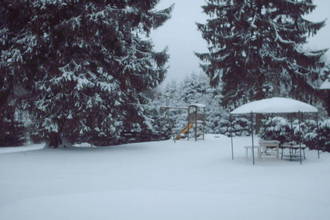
276,105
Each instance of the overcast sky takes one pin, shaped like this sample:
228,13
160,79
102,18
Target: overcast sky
181,37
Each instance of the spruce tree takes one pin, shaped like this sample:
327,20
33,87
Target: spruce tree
85,64
256,49
12,131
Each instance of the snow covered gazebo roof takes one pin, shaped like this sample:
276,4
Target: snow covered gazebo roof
274,105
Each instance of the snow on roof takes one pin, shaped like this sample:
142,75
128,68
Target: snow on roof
274,105
325,85
198,105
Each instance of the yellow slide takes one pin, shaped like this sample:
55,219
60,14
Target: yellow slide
184,131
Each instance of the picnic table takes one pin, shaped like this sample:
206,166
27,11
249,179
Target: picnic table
289,150
293,150
265,147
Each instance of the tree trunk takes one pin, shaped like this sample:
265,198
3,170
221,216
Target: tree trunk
54,140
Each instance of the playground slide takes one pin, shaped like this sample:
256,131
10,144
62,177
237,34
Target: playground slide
184,131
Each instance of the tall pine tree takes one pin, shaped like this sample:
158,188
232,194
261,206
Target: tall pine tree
256,49
85,64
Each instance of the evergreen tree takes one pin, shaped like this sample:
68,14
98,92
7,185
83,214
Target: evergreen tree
85,64
256,49
12,131
159,119
169,120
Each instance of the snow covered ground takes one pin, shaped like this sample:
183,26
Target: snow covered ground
4,150
185,180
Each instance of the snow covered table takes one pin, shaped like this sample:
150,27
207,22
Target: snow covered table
294,151
264,147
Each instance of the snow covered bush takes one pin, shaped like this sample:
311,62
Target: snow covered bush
305,132
324,135
313,136
216,122
242,126
280,128
236,126
162,125
276,128
316,137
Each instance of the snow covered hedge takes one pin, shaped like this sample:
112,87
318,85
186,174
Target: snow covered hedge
320,137
324,133
237,126
279,128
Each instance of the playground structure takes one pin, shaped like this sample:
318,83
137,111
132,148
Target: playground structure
196,123
195,127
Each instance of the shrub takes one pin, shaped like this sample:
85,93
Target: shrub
313,136
324,135
276,128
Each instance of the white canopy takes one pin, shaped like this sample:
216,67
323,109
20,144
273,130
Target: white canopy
274,105
325,85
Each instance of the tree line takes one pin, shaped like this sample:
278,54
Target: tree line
85,71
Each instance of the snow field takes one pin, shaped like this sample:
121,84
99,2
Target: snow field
162,180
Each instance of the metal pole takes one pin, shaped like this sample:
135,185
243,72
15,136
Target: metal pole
253,161
196,113
231,137
318,138
188,122
204,122
300,139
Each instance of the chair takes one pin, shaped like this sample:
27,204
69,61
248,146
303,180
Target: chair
269,145
293,150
